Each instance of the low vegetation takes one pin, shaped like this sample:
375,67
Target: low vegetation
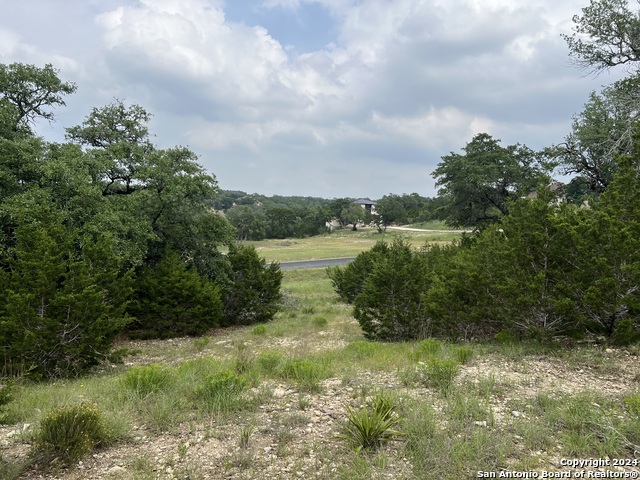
302,397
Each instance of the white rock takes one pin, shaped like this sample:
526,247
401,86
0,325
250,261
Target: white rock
116,470
279,392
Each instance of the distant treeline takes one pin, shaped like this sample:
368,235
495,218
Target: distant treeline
257,216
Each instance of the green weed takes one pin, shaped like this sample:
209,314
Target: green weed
221,392
269,361
319,321
439,373
430,347
259,330
306,373
463,354
147,380
633,404
201,343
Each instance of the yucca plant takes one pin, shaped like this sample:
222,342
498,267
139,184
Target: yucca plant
373,424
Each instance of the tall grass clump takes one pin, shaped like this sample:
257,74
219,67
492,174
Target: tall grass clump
221,392
244,359
319,321
7,393
71,433
11,469
361,349
632,402
306,373
440,373
430,346
147,380
259,330
463,354
269,361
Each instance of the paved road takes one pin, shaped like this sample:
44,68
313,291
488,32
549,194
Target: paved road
315,263
407,229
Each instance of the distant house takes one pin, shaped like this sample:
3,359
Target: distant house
368,205
557,188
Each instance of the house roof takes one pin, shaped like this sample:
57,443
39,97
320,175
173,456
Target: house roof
365,201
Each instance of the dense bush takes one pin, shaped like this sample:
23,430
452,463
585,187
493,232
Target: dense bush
390,306
61,305
252,293
172,299
349,281
548,268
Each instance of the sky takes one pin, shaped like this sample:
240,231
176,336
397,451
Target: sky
326,98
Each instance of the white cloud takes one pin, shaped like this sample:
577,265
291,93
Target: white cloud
9,42
434,129
402,83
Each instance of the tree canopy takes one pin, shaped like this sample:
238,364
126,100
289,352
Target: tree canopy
104,228
480,182
603,130
606,35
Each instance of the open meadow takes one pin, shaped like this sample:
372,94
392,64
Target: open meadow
345,243
306,396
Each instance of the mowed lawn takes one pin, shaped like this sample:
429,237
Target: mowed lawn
340,244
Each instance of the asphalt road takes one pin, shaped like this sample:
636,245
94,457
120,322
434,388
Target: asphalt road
315,263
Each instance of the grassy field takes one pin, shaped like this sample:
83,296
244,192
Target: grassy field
341,244
298,397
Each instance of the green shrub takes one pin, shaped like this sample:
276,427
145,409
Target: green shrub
70,433
221,392
146,380
626,332
61,304
172,299
349,281
390,306
505,336
252,292
372,425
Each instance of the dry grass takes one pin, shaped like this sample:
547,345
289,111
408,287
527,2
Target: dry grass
340,244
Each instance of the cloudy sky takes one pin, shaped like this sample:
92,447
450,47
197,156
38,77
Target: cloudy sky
327,98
